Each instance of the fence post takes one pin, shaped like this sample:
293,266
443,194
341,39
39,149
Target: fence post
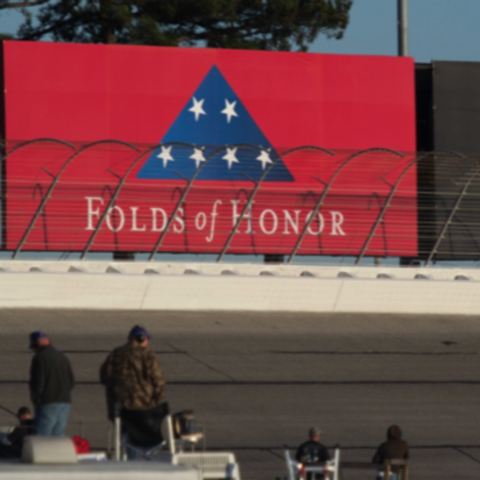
257,188
382,212
36,140
450,217
55,181
185,193
117,191
325,192
4,185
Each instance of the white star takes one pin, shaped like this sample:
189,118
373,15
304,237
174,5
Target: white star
264,157
197,108
229,110
230,157
165,155
197,156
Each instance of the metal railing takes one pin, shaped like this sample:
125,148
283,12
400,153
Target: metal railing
376,202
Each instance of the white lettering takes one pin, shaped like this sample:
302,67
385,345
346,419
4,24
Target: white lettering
274,222
267,223
337,220
180,227
155,228
134,221
289,220
321,224
212,226
91,212
200,220
236,216
121,216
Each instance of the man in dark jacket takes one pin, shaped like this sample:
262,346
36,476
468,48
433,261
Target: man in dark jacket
393,448
312,452
132,374
133,379
51,383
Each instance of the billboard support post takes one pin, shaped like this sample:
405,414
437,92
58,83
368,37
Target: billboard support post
402,28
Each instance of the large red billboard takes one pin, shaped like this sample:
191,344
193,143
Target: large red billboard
227,122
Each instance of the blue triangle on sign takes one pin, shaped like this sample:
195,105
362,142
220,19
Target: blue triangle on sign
215,120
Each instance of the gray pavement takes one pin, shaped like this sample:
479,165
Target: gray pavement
259,381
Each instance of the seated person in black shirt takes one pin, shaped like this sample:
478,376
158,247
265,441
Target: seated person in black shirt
11,445
312,452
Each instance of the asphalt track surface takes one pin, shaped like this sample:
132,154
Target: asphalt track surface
259,381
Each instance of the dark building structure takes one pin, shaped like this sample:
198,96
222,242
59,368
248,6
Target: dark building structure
448,123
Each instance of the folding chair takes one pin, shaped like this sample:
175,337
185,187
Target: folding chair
186,431
212,465
333,465
383,472
330,470
404,468
292,466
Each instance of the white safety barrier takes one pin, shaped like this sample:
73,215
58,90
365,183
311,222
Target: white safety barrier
238,269
49,450
213,465
244,287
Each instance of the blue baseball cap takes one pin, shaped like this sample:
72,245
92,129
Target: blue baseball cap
34,337
137,330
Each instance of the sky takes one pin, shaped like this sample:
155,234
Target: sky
438,30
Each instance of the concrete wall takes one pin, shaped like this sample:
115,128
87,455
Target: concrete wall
175,286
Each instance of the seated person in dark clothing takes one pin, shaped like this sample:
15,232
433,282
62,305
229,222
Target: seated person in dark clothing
312,452
393,448
12,444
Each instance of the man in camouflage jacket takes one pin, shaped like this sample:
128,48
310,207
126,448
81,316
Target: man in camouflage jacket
132,375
